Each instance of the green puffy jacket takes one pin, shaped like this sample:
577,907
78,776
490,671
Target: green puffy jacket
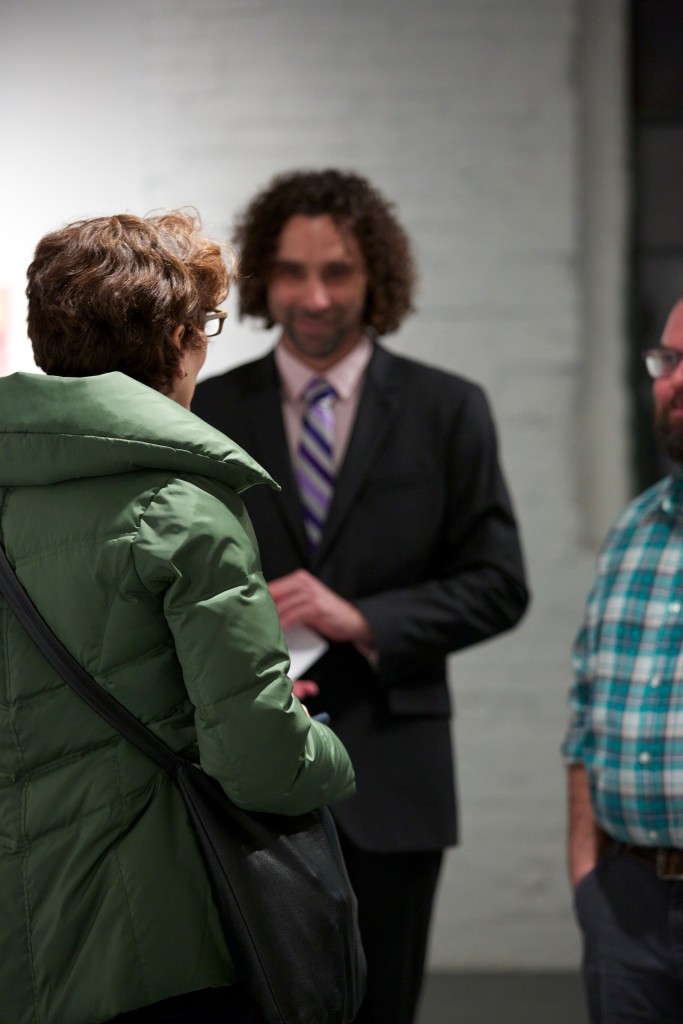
120,511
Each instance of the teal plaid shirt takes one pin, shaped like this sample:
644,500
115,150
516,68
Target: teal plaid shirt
627,700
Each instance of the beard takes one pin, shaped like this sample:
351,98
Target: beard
321,337
670,436
325,344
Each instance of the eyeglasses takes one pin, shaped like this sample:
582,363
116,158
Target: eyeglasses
213,322
661,362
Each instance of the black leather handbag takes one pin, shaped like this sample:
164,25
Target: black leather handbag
280,885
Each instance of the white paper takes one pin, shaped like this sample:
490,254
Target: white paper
305,647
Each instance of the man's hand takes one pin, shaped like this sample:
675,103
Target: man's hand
586,840
301,599
304,688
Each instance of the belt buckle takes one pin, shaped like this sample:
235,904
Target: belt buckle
669,864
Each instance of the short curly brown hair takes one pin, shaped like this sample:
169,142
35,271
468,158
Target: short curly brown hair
351,201
107,294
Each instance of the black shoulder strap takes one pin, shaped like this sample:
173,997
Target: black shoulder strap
106,706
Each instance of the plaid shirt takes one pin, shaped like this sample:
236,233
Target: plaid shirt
627,701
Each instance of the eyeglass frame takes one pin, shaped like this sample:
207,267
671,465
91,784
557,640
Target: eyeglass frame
219,315
671,357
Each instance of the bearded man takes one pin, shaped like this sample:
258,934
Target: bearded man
624,746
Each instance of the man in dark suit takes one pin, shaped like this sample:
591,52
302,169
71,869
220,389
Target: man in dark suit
393,536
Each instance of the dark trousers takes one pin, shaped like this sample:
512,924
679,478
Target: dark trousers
395,897
632,924
209,1006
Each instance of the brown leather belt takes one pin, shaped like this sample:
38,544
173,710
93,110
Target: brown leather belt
666,860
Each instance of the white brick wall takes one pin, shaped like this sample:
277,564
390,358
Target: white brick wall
466,113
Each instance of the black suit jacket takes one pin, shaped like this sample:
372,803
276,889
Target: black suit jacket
421,538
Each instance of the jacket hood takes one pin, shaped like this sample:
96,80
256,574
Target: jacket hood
54,429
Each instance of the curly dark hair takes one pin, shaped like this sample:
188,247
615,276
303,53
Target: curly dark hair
351,201
107,294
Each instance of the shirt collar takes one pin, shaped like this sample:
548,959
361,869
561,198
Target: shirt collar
344,376
671,495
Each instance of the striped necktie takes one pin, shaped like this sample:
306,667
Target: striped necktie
315,469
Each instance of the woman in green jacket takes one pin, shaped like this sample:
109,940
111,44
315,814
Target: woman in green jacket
121,512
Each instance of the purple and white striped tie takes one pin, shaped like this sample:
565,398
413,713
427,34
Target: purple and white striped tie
315,469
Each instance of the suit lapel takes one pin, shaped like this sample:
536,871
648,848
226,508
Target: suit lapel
377,410
268,445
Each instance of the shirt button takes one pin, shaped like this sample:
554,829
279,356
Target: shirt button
653,835
655,681
675,607
644,758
